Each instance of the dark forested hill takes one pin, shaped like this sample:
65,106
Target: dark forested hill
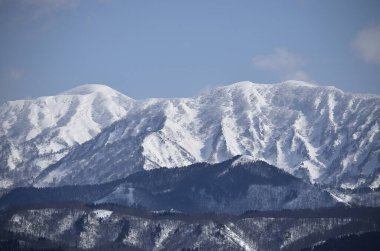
233,186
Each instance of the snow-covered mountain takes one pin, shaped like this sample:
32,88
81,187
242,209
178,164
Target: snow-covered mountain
36,133
318,133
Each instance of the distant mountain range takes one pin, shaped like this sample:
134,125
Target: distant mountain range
93,134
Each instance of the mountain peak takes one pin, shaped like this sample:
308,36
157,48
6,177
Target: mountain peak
247,85
241,85
89,89
297,83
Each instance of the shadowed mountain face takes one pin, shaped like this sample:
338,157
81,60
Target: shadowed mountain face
233,186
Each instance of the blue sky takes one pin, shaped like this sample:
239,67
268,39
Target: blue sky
180,48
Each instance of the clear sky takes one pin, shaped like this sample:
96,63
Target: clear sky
180,48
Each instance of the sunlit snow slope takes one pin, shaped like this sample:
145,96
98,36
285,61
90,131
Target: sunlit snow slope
36,133
318,133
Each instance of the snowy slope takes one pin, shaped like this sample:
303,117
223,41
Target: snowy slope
318,133
36,133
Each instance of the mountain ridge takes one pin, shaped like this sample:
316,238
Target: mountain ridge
318,133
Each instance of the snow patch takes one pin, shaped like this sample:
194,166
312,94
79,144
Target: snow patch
101,213
14,157
244,159
5,183
237,239
344,198
376,182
